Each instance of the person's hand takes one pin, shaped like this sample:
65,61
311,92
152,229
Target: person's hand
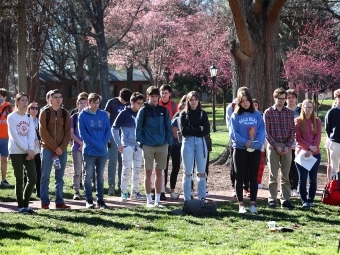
201,128
308,154
286,150
121,148
31,154
280,150
313,148
80,148
58,151
248,144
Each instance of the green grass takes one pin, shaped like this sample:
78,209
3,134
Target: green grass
156,231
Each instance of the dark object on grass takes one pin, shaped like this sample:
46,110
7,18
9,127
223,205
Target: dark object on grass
284,229
200,207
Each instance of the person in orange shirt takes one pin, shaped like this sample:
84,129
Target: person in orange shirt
172,107
5,110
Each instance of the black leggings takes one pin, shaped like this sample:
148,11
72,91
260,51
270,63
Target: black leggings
232,171
293,173
175,152
244,160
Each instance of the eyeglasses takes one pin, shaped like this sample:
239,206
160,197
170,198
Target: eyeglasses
34,108
281,98
58,97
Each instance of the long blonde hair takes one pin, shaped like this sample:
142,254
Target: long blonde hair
302,118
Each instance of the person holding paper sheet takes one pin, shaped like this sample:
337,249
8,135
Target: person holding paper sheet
308,137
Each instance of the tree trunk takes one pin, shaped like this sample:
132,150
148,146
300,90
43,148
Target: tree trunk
21,46
254,48
103,69
129,77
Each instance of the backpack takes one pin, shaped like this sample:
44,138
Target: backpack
173,107
331,193
48,115
200,207
8,110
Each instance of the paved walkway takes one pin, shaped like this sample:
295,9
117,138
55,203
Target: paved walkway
114,202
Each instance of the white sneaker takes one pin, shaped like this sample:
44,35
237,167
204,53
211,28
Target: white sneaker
253,209
242,209
260,186
136,196
294,193
158,205
150,205
174,196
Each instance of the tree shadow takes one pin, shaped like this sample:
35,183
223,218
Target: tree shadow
15,231
93,218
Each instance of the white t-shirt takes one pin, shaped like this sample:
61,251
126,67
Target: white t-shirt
21,132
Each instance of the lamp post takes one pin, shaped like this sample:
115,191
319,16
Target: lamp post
213,73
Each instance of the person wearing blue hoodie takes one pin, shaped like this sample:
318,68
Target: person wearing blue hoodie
153,134
94,129
247,135
126,143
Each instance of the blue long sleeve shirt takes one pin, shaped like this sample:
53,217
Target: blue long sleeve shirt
245,127
126,122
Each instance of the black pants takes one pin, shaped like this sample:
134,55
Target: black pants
167,166
246,160
175,152
232,171
293,174
37,162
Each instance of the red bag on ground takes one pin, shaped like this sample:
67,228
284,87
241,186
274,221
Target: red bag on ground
331,194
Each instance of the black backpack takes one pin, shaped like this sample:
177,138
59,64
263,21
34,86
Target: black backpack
200,207
48,115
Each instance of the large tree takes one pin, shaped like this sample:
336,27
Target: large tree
255,48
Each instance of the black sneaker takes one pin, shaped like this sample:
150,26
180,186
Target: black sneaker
101,204
272,204
163,197
287,205
30,210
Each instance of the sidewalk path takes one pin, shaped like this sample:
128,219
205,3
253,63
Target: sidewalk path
114,202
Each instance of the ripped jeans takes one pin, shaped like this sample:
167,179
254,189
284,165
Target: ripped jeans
194,149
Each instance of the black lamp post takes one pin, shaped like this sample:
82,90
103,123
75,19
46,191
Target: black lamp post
213,73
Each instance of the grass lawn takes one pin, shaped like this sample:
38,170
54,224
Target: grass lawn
142,230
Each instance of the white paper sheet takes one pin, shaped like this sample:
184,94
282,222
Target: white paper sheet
308,164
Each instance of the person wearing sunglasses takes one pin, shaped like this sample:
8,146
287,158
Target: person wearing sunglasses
33,111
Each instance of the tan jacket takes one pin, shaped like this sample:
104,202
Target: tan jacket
57,133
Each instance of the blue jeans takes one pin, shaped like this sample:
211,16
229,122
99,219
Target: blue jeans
94,164
194,149
303,175
114,156
46,167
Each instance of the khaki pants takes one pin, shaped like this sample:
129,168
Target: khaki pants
275,162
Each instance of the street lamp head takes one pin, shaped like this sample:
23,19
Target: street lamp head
213,70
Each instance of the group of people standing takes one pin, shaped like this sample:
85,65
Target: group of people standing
129,129
287,134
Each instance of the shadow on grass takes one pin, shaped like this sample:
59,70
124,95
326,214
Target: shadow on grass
100,218
15,231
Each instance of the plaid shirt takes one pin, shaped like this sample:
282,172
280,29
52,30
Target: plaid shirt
279,126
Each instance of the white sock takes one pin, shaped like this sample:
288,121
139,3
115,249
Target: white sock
158,198
148,198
